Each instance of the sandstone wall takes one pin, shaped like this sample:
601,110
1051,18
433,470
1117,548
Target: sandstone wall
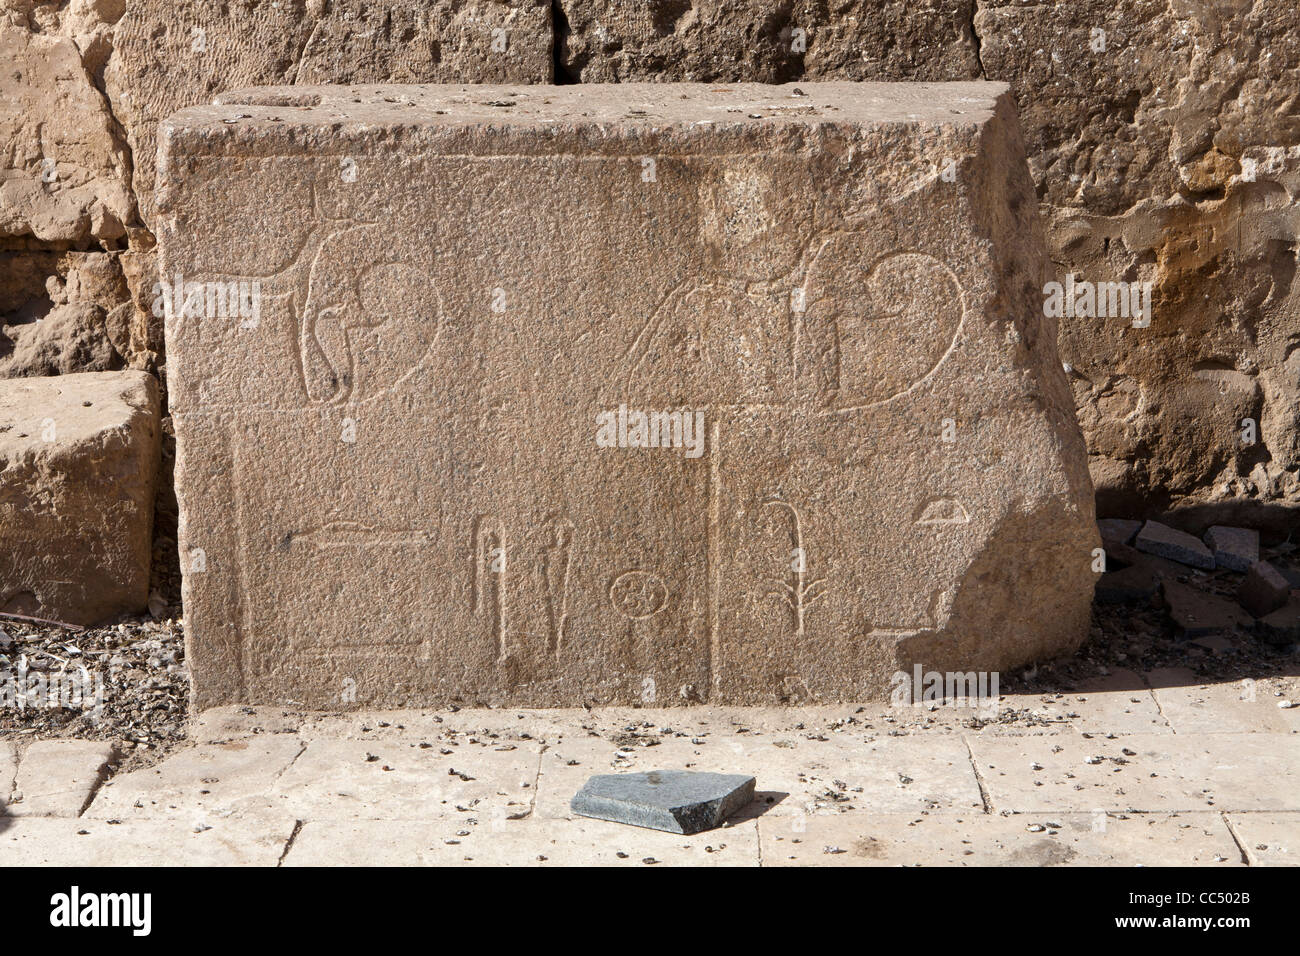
1164,140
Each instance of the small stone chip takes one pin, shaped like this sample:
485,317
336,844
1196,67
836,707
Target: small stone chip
679,801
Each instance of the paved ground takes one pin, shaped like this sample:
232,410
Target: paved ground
1132,769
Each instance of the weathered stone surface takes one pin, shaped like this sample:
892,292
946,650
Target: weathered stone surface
603,41
65,175
59,312
1163,149
167,56
78,464
1166,542
1234,548
1264,589
382,426
210,780
1162,154
58,777
904,774
373,779
680,801
1193,706
1269,839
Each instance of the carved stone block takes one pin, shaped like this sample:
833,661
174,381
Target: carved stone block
636,393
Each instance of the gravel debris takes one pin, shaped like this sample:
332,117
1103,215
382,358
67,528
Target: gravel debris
124,682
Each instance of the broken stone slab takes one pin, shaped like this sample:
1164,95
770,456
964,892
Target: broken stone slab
1166,542
1264,590
1281,626
1198,614
1120,556
1127,585
453,374
1234,548
680,801
78,467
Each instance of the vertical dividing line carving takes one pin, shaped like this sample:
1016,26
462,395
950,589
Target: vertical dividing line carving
489,594
714,534
557,561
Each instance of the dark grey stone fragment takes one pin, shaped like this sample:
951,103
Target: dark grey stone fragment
1234,548
1264,590
1166,542
679,801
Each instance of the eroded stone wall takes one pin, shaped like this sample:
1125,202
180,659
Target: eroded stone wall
1163,137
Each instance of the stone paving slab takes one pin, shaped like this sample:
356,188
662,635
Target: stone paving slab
1247,706
209,778
885,785
1269,839
8,771
407,780
575,842
57,778
236,841
949,839
1153,772
1120,703
223,723
795,774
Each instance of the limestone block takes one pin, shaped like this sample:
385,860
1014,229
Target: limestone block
78,467
422,471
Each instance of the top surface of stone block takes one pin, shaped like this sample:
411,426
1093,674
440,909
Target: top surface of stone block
440,462
78,406
629,105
